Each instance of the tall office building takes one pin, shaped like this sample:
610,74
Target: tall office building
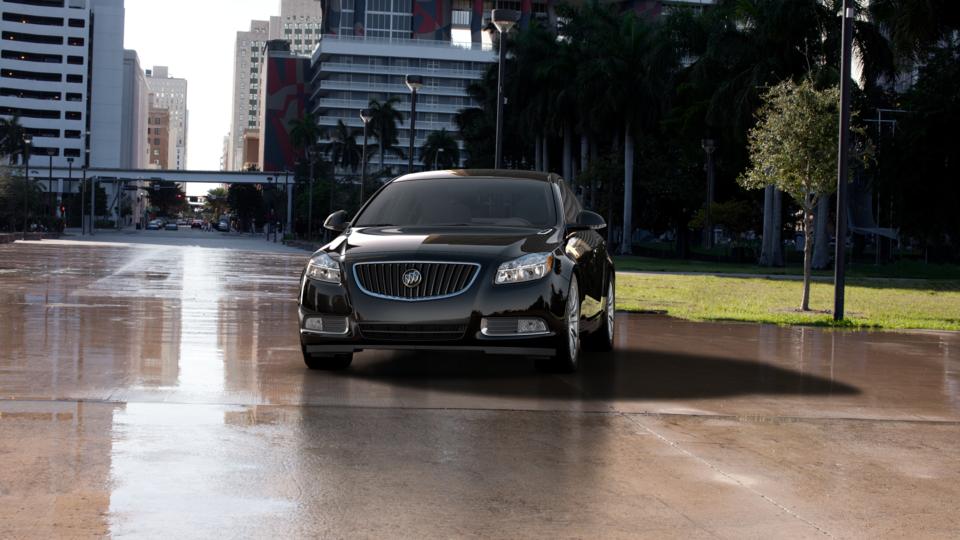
247,62
349,71
61,70
136,106
300,23
170,94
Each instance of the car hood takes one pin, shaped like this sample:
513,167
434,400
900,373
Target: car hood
476,244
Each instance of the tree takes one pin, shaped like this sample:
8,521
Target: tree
167,197
246,201
11,137
217,202
304,132
440,150
383,126
343,149
794,147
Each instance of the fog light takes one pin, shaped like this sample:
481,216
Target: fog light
531,326
327,324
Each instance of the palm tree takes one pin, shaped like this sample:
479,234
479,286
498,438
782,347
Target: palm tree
440,150
343,149
304,132
384,126
11,137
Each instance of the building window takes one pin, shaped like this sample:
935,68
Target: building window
78,23
75,41
74,115
32,38
23,18
75,60
74,78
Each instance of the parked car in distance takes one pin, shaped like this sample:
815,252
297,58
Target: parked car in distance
196,224
497,261
223,226
154,225
171,226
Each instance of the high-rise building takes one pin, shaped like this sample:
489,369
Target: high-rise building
62,72
248,59
136,106
170,93
300,23
349,71
158,130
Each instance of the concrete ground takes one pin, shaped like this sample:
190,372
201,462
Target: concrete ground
153,387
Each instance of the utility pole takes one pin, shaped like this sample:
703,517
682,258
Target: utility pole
839,277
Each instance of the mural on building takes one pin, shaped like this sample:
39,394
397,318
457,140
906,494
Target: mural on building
284,99
432,19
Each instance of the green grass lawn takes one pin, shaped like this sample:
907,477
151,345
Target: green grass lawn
873,303
901,269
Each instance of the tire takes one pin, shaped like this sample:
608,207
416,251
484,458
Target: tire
567,357
601,339
329,362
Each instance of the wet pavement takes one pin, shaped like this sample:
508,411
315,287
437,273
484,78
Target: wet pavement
157,390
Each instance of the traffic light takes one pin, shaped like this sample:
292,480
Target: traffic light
63,210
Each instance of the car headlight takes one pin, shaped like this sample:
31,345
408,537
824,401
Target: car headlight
527,268
323,268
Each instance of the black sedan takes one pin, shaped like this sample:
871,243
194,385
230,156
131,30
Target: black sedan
503,262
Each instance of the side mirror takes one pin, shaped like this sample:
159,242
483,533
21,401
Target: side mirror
337,221
587,220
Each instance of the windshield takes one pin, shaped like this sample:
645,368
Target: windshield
502,202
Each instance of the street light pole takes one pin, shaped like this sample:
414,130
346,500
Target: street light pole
50,210
27,141
414,83
69,185
365,115
839,276
83,201
709,146
503,19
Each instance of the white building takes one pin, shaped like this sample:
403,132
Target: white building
349,71
44,70
170,93
62,73
247,62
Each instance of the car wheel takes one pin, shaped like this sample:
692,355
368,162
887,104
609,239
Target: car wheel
329,362
567,357
602,338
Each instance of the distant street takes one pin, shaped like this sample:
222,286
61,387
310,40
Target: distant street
152,385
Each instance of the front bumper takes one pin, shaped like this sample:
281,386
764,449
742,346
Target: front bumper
448,324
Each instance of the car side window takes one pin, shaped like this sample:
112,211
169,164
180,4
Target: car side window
571,206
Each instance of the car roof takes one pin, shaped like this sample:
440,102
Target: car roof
480,173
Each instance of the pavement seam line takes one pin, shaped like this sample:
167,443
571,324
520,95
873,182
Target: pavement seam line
675,445
733,417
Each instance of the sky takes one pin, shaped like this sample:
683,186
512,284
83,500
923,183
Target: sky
195,39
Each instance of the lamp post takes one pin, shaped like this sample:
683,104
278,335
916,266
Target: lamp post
311,155
50,210
414,83
839,276
27,141
709,146
503,19
83,201
69,183
366,115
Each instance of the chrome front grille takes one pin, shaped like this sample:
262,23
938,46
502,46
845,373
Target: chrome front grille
437,279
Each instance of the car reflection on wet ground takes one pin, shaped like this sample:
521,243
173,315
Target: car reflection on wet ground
158,390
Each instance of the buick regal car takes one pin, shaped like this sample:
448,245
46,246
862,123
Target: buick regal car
501,262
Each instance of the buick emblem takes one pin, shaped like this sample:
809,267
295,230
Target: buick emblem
411,278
